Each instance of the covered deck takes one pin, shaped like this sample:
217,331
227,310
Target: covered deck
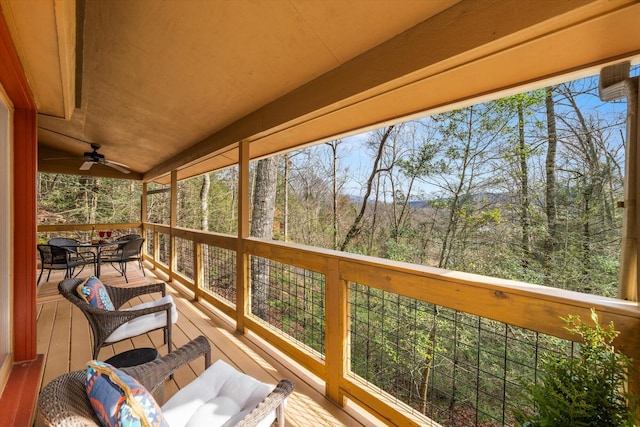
338,296
64,340
186,119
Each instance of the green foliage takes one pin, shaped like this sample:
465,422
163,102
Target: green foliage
589,390
72,199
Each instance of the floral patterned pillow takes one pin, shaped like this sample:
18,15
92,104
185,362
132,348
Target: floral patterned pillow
92,290
119,399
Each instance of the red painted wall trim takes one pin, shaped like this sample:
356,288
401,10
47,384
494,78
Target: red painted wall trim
24,243
17,403
24,148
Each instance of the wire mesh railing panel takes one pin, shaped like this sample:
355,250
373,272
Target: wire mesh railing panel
219,272
184,254
163,253
291,299
159,204
456,368
149,242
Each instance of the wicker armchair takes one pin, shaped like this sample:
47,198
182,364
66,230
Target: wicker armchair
64,402
108,326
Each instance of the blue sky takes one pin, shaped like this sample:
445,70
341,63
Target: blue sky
353,154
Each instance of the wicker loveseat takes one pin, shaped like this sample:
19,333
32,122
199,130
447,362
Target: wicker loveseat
64,401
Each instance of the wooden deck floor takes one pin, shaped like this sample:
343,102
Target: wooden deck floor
64,340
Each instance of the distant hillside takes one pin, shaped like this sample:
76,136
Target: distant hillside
422,204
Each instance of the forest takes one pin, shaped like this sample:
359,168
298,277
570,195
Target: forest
525,187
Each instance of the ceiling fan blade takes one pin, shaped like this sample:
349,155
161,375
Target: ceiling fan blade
117,166
86,166
61,158
117,163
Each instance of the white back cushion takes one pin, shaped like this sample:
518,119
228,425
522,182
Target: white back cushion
145,323
220,396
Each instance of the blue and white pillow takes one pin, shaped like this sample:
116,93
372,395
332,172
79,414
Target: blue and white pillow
92,290
119,399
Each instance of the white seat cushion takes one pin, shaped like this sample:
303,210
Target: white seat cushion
145,323
220,396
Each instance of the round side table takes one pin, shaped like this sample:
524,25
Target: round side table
134,357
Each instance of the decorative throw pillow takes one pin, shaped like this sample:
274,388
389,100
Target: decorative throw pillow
92,290
119,399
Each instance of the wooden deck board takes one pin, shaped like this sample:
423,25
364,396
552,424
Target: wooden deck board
64,339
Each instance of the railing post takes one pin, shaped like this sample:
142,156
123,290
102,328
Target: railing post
242,259
143,216
198,269
336,331
173,223
615,83
156,246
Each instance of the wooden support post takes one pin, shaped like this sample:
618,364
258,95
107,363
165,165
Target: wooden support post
156,246
615,83
242,259
337,331
173,223
198,269
143,217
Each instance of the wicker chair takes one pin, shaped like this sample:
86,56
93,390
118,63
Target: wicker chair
64,402
107,325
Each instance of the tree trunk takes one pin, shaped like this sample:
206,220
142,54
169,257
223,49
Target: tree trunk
426,371
524,190
285,208
592,179
334,176
204,201
91,187
354,231
550,191
457,198
374,217
204,210
264,200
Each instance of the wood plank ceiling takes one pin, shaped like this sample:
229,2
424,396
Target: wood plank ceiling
173,84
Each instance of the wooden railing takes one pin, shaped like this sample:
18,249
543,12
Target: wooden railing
86,228
532,307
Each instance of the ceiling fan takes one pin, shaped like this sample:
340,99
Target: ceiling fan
93,157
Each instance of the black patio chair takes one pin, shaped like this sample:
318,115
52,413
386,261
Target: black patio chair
110,251
74,246
128,251
54,257
127,237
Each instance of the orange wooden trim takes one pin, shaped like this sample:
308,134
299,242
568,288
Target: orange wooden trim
18,401
24,149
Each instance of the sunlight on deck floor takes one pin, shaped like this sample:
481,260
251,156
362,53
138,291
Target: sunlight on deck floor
63,336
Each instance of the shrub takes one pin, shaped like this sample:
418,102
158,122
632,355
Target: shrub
588,390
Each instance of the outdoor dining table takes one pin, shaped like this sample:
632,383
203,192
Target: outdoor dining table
97,248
